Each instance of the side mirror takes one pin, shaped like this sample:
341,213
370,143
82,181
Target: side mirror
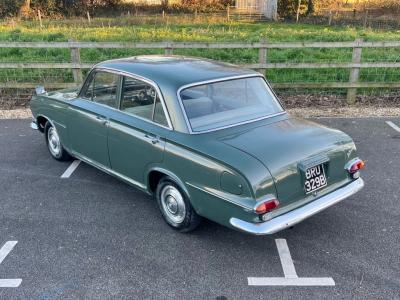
40,90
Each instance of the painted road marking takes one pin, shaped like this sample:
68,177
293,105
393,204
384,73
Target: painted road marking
286,260
289,271
394,126
282,281
71,169
4,251
9,283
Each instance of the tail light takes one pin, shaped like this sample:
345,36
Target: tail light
355,166
266,206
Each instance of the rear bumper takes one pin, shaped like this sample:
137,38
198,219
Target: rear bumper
297,215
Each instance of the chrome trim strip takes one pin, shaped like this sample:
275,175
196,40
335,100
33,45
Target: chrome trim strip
350,163
219,196
267,198
240,123
109,171
295,216
134,76
221,80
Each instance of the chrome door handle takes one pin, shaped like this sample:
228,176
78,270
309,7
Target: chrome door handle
153,139
102,120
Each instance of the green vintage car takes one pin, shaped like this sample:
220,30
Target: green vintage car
207,139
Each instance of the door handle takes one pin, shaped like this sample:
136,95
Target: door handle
153,138
102,120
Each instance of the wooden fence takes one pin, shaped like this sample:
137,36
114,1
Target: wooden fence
352,85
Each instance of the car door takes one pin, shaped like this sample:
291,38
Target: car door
88,116
136,137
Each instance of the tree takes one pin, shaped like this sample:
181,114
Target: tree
310,7
165,4
295,8
9,8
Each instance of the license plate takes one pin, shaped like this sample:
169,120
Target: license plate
314,179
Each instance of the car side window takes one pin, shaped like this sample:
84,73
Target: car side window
103,89
159,115
141,99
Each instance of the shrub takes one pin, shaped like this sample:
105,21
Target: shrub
9,8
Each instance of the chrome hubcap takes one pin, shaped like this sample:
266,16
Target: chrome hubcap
54,141
173,204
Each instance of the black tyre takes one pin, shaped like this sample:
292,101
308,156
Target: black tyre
175,206
53,143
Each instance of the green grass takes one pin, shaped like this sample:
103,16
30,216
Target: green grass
122,29
147,29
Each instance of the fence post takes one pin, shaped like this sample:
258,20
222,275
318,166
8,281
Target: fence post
355,71
168,49
88,16
330,18
228,13
40,18
365,23
262,55
76,59
298,11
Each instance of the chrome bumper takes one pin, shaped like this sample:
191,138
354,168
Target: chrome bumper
34,125
297,215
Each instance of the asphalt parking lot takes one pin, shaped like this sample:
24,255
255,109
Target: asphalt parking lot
91,236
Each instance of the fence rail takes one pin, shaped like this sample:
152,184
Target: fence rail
354,65
200,45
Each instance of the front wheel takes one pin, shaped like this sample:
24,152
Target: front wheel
54,145
175,206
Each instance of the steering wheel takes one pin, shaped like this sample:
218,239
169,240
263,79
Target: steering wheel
147,94
142,97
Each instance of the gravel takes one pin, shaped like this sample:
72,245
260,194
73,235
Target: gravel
324,100
21,113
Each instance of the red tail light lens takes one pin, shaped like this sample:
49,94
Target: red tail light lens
266,206
356,166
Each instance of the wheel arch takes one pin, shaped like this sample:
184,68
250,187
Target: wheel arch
41,121
154,176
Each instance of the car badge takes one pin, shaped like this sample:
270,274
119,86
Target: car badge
40,90
348,153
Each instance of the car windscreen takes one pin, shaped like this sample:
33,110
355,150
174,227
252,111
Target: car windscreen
219,104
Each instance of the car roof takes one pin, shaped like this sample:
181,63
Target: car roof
173,72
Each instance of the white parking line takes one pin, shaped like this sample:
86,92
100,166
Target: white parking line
4,251
289,271
10,283
394,126
282,281
71,169
286,260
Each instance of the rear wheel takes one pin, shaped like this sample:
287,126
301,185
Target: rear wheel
175,206
53,142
